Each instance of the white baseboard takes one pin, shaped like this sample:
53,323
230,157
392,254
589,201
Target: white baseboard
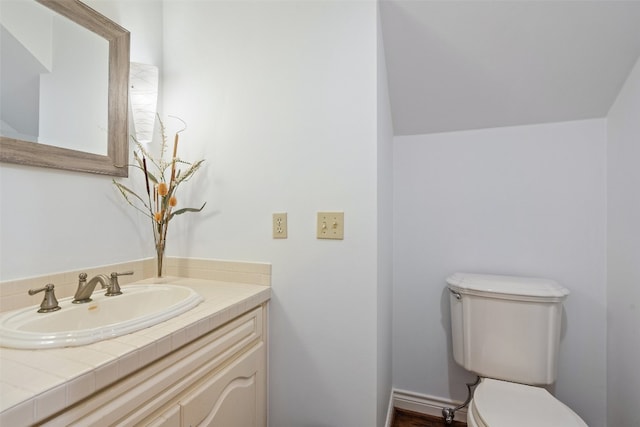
423,404
389,411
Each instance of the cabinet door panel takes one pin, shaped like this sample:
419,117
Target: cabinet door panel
235,405
233,397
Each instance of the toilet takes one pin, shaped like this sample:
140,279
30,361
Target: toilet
506,330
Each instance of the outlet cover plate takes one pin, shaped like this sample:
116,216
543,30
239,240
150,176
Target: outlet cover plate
279,225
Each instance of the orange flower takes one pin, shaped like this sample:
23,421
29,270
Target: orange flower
163,189
173,201
158,216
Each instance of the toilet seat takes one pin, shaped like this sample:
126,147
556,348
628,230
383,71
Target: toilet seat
504,404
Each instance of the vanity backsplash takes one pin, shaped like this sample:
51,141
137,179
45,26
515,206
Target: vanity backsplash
13,293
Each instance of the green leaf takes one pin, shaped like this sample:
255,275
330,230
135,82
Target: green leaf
151,177
125,193
185,210
123,189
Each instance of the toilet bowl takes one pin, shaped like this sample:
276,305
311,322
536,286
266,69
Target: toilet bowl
499,403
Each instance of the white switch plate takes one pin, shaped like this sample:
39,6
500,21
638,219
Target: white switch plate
279,225
330,225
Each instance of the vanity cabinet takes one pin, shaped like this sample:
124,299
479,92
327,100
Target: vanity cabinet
218,379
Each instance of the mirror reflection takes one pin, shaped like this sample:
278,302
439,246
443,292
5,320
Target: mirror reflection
70,107
47,58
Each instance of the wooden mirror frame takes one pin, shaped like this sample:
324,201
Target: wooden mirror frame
117,158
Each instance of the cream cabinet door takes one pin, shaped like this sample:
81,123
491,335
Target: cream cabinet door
232,397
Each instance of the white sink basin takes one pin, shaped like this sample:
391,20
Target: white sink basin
139,307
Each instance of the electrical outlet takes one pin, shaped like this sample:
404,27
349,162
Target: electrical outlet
279,225
330,225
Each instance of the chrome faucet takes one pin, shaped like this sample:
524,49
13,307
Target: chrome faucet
85,289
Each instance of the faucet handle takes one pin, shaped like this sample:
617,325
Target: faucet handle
126,273
114,286
49,303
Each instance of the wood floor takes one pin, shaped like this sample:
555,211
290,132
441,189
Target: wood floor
404,418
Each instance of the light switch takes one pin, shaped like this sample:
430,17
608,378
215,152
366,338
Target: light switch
330,225
279,225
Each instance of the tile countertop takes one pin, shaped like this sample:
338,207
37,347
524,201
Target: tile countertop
35,384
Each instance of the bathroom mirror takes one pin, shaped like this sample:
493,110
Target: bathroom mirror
109,94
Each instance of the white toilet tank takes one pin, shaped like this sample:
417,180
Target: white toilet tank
506,327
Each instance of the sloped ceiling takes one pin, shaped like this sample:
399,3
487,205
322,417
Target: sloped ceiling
458,65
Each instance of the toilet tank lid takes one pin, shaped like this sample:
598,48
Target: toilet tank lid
507,285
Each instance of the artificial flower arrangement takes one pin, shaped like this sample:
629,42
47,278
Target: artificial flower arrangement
161,190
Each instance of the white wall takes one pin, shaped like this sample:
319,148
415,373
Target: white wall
54,221
280,98
385,234
623,252
524,200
